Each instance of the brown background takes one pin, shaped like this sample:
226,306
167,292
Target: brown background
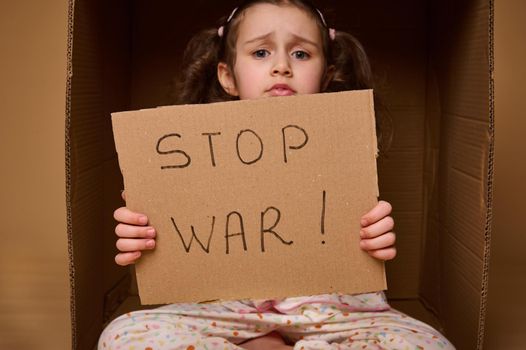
506,324
34,283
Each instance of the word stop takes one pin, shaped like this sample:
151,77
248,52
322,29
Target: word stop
249,145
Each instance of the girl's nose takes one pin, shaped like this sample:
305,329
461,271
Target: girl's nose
282,67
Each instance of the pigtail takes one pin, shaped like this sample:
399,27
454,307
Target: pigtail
197,82
353,72
352,68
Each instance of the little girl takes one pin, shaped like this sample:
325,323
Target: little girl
271,48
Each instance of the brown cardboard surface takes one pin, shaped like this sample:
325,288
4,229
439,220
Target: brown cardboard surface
430,269
408,255
276,208
402,187
459,294
85,172
462,69
99,84
116,22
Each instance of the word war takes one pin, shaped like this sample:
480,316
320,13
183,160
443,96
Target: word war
269,220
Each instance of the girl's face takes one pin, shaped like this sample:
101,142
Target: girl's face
278,53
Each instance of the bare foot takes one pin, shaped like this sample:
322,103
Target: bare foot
269,341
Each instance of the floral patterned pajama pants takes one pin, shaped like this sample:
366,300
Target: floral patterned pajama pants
332,321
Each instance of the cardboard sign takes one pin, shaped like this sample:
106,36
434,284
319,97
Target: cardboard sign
253,199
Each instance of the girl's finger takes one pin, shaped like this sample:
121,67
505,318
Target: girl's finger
131,231
381,210
386,240
378,228
131,245
124,259
123,195
383,254
127,216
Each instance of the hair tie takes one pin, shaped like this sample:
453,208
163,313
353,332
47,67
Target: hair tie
332,33
221,30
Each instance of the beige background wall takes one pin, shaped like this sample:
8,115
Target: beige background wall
506,324
34,282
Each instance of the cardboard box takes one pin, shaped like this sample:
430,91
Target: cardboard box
434,67
434,64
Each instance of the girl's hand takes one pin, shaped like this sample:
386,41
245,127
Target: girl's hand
377,237
134,235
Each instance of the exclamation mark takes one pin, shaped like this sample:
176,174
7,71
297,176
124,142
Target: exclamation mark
323,216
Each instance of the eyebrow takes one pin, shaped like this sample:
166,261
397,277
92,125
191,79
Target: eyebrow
296,37
305,40
259,38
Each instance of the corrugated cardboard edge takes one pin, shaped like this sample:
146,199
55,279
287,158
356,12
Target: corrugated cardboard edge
489,194
374,138
71,13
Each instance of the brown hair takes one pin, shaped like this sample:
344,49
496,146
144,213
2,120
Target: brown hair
198,82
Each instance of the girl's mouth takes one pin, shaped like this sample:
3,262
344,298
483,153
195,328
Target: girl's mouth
281,90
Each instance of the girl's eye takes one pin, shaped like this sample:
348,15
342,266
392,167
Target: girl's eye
261,53
301,55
